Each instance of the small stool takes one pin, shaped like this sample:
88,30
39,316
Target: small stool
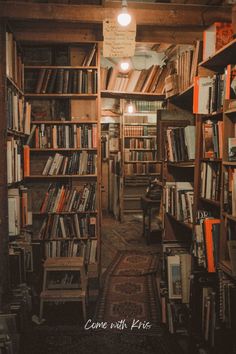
63,264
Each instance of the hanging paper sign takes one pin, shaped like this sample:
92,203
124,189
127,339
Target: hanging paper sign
118,41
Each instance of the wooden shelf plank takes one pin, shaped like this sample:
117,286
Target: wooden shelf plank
62,122
138,95
223,57
230,111
229,163
65,212
140,161
62,149
141,137
183,164
29,67
209,201
59,176
17,133
211,160
61,95
16,87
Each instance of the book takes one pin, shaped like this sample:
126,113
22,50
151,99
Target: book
232,149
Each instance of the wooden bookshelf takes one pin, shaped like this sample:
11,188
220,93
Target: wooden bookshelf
221,58
53,123
132,95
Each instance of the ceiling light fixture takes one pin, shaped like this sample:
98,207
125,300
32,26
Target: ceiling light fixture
124,17
124,66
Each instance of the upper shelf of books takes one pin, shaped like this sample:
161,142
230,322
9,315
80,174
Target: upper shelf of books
223,57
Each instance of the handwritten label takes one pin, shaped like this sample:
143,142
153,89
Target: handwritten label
118,41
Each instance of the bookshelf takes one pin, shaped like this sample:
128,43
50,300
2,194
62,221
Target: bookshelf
62,157
215,224
139,152
177,175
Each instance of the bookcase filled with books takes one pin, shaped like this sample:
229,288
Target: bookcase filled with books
62,152
16,130
139,142
176,138
213,239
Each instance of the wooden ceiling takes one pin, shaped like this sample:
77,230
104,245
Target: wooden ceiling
178,22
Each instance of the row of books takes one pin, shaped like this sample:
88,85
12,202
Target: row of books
178,199
209,314
180,143
66,199
140,144
72,248
150,80
67,226
212,139
79,55
81,163
207,238
14,161
210,180
63,136
61,81
209,93
19,210
136,130
140,168
18,112
140,155
139,117
147,106
14,64
229,200
186,65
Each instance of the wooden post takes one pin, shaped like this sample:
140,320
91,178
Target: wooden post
4,271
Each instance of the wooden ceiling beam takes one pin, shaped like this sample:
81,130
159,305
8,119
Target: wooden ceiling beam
43,31
145,14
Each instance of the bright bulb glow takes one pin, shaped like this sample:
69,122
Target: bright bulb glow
130,108
124,18
124,66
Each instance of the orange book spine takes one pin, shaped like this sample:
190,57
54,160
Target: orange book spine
195,94
209,243
94,129
61,201
26,161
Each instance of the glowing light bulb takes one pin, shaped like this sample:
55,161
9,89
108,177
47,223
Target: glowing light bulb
124,18
124,66
130,108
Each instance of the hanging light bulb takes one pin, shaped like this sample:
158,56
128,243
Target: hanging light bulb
124,66
124,17
130,107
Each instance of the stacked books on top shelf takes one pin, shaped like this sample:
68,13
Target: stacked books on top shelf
14,64
212,139
61,81
180,143
178,200
61,55
140,155
185,64
49,136
18,112
150,80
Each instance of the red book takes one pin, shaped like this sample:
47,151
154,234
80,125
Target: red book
26,160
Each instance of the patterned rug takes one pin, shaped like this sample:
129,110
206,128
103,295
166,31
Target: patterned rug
130,304
133,263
